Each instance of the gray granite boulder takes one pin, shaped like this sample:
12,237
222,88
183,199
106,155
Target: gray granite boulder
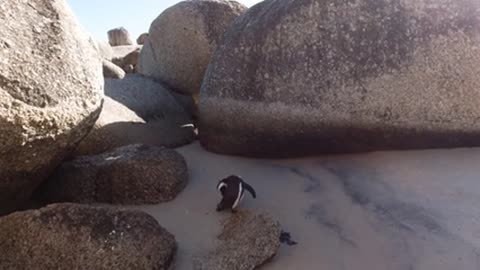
72,236
181,40
133,174
308,77
51,90
119,37
248,240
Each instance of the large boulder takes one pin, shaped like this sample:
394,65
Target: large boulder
247,241
134,174
51,90
138,110
181,41
148,98
119,37
71,236
306,77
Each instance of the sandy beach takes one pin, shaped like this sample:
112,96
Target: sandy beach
385,210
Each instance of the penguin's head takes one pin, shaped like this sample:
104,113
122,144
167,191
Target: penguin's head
221,186
225,182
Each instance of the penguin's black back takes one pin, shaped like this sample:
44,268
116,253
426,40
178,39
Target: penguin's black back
230,193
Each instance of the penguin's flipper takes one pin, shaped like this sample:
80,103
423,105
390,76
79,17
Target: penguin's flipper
250,189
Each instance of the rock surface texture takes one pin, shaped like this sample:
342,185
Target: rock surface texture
307,77
119,37
134,174
181,41
51,90
248,241
71,236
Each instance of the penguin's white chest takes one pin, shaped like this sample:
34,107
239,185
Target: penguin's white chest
239,196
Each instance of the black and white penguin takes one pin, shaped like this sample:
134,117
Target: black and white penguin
232,189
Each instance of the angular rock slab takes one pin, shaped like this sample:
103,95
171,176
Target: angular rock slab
181,40
71,236
51,90
247,241
134,174
308,77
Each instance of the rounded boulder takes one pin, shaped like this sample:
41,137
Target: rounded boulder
181,40
133,174
51,90
73,236
310,77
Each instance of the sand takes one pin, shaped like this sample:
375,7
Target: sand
384,210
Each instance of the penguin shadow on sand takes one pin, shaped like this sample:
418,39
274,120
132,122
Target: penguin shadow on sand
232,189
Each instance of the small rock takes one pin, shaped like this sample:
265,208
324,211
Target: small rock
134,174
128,69
110,70
142,38
119,37
286,238
247,241
72,236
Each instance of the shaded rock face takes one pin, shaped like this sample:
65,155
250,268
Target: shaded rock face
142,38
110,70
139,110
306,77
134,174
247,241
148,98
51,89
105,50
119,37
181,41
126,57
71,236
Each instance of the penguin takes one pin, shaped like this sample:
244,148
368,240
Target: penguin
232,189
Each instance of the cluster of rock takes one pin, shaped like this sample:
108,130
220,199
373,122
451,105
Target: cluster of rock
81,125
279,79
